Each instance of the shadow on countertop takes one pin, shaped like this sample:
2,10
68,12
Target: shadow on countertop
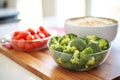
117,78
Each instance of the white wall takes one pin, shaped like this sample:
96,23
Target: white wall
106,8
30,12
69,8
48,7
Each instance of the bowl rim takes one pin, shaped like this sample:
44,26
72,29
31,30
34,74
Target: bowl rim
107,50
101,52
106,18
8,37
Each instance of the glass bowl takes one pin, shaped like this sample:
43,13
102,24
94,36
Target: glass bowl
63,59
29,45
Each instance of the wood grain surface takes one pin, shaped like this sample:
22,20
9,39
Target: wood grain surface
41,64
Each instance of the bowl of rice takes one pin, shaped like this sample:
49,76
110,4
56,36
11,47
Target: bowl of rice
89,25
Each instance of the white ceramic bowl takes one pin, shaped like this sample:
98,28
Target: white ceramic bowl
102,27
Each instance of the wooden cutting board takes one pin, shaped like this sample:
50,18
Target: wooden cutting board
41,64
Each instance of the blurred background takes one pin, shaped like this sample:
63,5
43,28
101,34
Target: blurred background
55,12
49,13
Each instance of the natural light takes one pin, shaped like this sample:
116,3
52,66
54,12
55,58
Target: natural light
30,12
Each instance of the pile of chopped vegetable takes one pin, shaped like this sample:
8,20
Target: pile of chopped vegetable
78,49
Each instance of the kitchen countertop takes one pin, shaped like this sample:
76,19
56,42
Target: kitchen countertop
9,70
107,71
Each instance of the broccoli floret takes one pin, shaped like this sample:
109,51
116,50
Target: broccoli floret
75,58
70,50
79,43
67,38
64,42
87,50
61,43
60,60
54,44
94,47
65,57
55,40
90,62
91,38
71,36
103,44
57,47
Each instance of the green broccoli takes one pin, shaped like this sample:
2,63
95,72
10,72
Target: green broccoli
103,44
70,50
61,43
94,47
60,60
90,62
75,50
79,43
54,43
87,50
91,38
67,38
55,40
57,47
70,35
65,57
76,57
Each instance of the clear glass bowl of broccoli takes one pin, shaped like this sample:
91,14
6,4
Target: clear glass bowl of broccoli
79,53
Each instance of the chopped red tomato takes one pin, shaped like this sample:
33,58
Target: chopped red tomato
30,37
28,46
32,31
30,34
44,31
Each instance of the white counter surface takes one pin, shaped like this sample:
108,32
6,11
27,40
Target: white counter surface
9,70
